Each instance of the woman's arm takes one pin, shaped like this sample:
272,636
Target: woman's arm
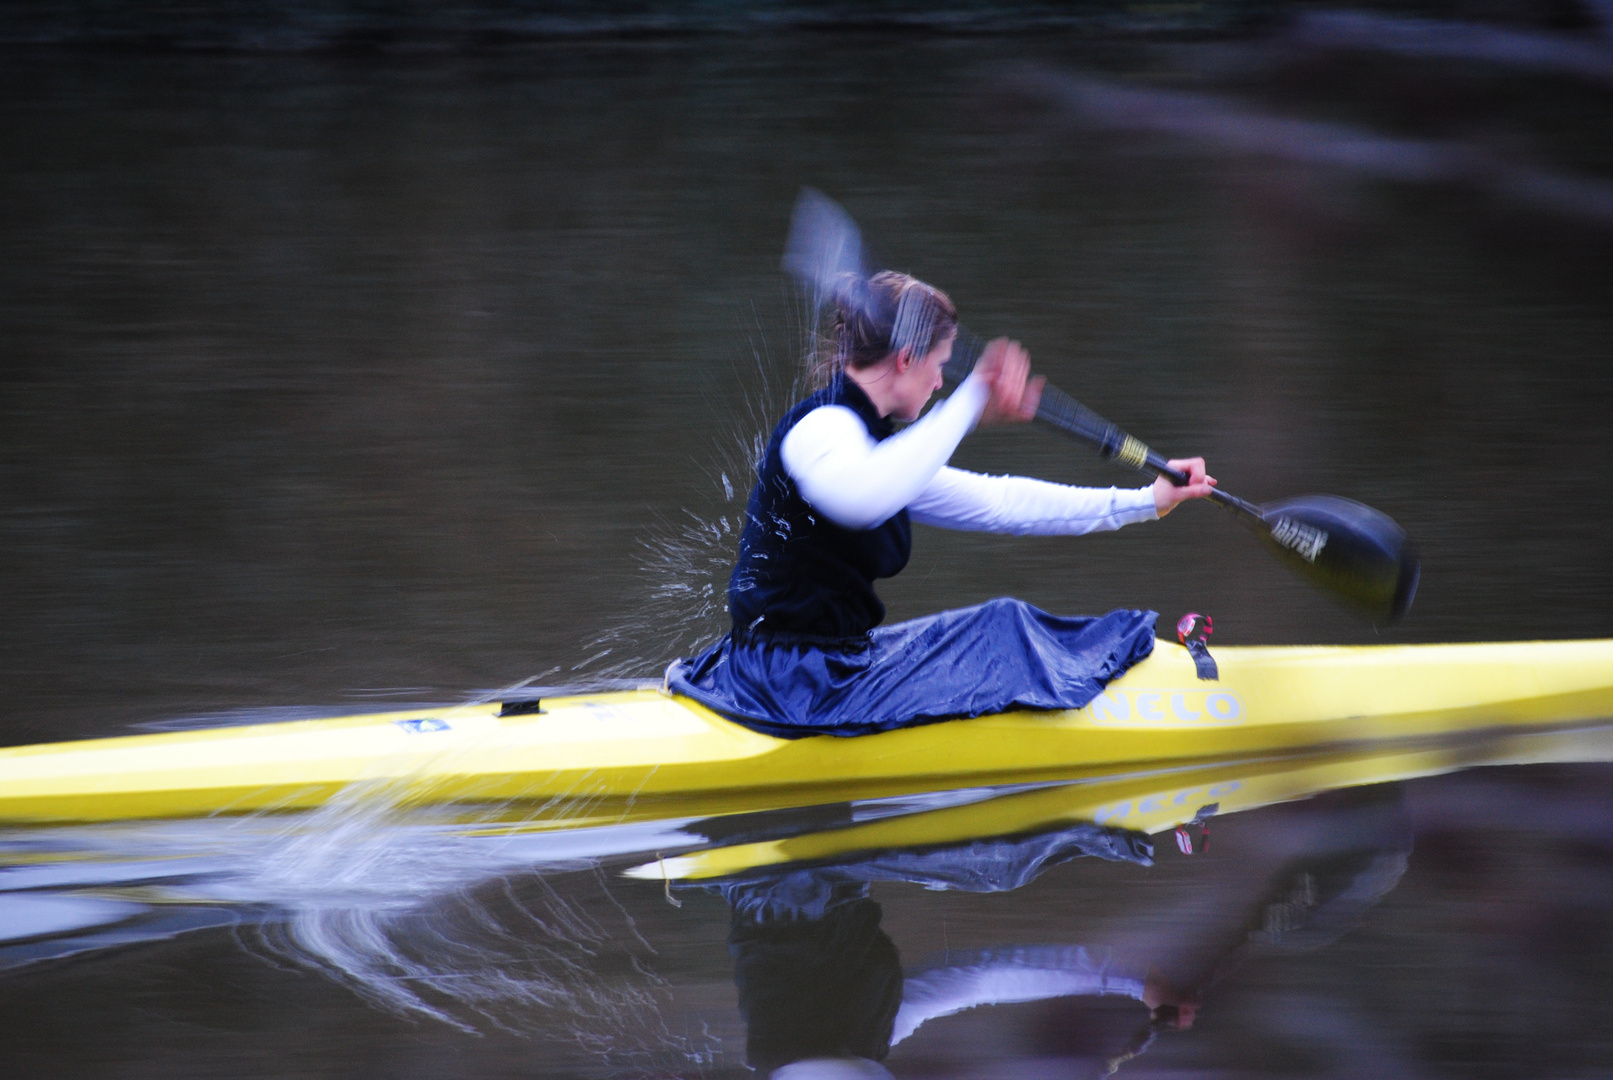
858,483
956,499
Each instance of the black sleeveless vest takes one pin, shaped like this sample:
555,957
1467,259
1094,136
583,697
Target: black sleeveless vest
799,574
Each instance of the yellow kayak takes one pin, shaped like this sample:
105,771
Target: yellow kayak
645,752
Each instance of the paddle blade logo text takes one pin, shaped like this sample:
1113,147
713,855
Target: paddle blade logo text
1303,540
1144,708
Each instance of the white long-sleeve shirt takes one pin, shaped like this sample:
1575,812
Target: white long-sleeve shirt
857,482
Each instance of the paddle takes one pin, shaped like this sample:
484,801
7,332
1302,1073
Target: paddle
1349,550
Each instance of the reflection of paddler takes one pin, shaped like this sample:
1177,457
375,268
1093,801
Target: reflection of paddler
824,995
837,489
820,982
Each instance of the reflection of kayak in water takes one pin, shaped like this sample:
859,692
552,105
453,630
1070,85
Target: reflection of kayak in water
896,838
621,752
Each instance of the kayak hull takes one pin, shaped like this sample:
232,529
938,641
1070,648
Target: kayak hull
600,755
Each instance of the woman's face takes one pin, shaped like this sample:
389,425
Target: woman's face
917,383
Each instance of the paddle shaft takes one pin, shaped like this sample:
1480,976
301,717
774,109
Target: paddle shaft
1059,410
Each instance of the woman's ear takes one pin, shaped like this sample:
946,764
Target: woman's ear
903,358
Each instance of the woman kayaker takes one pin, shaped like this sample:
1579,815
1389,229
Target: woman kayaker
837,490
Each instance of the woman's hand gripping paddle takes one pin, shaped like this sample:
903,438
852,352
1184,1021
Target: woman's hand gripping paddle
1349,550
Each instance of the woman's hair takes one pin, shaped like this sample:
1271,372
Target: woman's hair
876,317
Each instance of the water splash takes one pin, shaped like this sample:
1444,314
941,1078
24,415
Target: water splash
681,604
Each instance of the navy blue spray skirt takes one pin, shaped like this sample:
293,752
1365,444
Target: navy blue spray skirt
989,658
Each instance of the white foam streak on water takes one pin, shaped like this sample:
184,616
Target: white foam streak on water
404,917
432,924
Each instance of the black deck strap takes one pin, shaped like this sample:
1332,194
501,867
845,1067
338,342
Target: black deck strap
521,707
1193,631
1203,661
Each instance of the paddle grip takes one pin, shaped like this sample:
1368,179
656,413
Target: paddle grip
1157,466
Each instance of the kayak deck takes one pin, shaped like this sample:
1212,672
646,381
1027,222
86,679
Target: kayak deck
602,752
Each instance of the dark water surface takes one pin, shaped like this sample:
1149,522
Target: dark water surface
337,380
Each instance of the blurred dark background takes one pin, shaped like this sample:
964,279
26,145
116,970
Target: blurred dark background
370,352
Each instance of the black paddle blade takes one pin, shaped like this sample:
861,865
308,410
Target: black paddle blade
1353,551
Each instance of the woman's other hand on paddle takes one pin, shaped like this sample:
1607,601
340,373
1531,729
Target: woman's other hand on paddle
1167,495
1006,368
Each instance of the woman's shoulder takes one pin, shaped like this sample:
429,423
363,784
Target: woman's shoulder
815,426
823,426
